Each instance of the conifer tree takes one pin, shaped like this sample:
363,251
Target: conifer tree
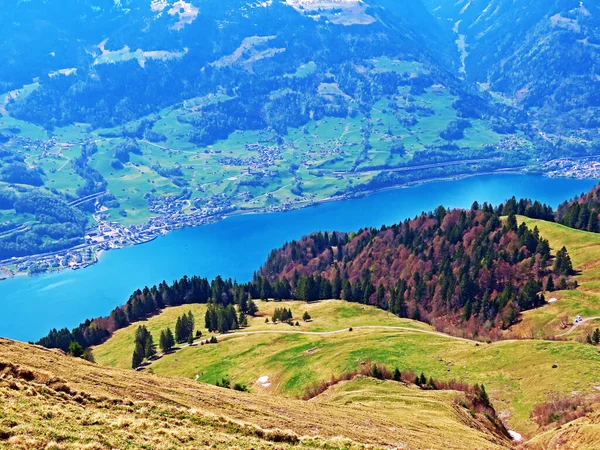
562,263
137,358
167,340
252,308
596,336
550,284
75,349
149,349
180,330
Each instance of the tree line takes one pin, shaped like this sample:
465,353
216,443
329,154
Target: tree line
220,294
582,212
282,315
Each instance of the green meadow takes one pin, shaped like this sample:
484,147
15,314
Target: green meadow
518,374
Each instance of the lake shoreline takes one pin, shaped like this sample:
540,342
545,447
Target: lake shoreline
297,207
247,212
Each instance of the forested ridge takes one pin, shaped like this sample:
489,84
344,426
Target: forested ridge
467,272
219,293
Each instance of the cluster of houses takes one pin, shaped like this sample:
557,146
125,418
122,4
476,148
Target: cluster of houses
267,157
69,259
587,168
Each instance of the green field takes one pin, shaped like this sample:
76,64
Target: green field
518,374
117,351
584,249
326,316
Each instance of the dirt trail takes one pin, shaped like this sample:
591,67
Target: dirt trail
233,335
577,325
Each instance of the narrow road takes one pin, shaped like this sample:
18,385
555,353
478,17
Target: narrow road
20,229
577,325
411,168
344,330
87,198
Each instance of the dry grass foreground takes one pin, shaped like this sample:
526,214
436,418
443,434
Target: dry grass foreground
49,401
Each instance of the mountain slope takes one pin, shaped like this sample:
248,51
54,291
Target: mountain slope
582,434
137,58
69,403
223,106
543,54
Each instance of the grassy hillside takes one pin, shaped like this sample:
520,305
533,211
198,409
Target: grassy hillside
117,351
584,249
53,401
518,374
326,316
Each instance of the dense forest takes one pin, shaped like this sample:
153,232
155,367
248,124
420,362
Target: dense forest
52,223
582,212
465,272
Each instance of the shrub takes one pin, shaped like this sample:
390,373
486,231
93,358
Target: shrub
559,411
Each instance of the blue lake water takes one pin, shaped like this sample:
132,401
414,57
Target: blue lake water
236,247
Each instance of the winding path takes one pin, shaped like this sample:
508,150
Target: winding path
344,330
222,337
577,325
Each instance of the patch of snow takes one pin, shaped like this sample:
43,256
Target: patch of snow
516,437
455,27
65,72
186,11
158,5
553,300
461,44
564,22
484,12
339,12
261,4
321,3
263,381
464,10
583,10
